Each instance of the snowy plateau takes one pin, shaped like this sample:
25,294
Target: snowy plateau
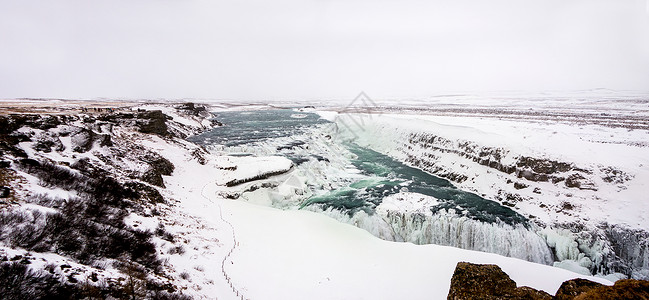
330,201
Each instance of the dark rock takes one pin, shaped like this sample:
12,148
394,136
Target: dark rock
145,192
572,288
104,140
556,179
574,180
532,176
153,121
10,141
4,191
18,137
537,190
43,146
622,289
191,108
257,177
566,206
519,185
46,141
29,163
82,140
83,164
159,164
116,118
198,155
153,177
543,166
474,281
71,279
615,176
11,123
46,123
4,163
103,127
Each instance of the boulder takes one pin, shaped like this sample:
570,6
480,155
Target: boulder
574,180
572,288
577,180
153,121
84,139
474,281
153,177
160,164
145,192
4,191
622,289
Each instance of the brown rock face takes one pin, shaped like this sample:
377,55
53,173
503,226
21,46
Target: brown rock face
623,289
473,281
572,288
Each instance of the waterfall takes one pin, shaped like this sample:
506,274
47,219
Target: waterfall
448,229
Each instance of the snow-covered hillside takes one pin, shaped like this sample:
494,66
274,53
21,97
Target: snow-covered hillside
208,245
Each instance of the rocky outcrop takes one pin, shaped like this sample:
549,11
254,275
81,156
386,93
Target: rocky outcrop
622,289
84,139
153,121
158,166
473,281
145,121
529,168
575,287
45,142
4,191
11,123
192,109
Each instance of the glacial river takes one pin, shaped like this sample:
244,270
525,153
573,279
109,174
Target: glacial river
384,175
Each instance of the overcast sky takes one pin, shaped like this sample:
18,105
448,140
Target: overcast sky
313,49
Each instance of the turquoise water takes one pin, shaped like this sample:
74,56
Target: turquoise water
391,176
243,127
385,176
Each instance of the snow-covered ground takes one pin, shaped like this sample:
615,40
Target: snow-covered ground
233,249
295,254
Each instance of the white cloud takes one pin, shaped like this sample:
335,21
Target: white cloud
318,48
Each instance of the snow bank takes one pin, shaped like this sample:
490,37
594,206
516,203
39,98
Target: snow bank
301,254
254,168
